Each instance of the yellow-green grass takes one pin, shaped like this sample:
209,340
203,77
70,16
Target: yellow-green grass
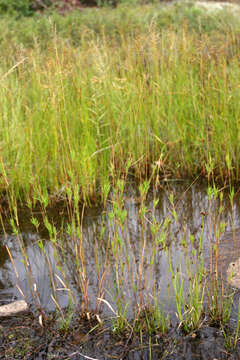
119,98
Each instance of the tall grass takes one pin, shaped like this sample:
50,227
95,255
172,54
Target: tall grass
77,114
68,115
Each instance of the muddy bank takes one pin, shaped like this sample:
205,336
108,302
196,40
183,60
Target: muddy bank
23,338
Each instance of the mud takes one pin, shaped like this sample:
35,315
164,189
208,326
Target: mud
23,338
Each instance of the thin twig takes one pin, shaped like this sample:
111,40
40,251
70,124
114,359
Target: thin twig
85,356
13,68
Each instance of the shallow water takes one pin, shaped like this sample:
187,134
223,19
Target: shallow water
129,277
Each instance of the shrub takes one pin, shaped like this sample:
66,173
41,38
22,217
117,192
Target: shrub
16,7
28,7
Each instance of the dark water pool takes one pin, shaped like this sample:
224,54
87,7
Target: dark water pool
143,267
121,253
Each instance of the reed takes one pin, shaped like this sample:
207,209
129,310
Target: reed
76,114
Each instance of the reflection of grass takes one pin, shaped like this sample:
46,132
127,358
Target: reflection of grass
131,283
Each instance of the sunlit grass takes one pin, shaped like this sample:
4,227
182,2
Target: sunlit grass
76,115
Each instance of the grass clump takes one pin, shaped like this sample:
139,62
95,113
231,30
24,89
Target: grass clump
73,115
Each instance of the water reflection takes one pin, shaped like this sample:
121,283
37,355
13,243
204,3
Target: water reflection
138,269
31,277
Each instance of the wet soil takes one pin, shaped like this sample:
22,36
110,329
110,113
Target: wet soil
22,337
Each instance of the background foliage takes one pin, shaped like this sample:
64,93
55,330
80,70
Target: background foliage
29,7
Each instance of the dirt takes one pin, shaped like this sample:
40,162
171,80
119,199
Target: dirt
22,337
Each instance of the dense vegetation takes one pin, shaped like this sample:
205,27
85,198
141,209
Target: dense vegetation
99,94
21,8
104,92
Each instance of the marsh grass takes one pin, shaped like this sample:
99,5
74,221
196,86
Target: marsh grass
198,300
74,115
85,109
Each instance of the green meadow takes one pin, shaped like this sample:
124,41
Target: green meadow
146,90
